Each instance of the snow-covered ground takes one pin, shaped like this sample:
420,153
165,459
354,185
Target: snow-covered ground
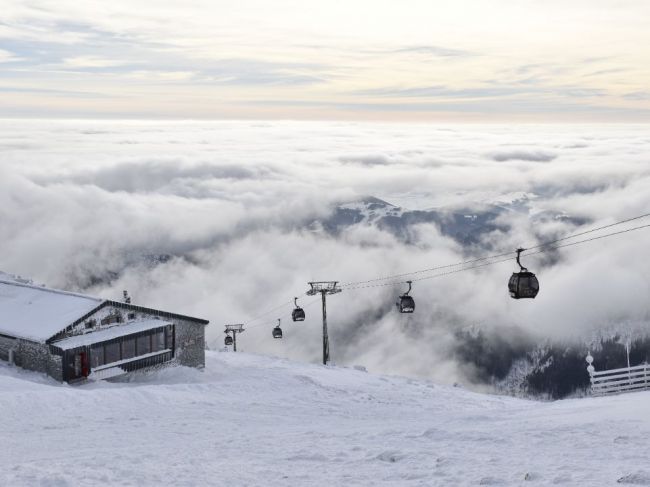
254,420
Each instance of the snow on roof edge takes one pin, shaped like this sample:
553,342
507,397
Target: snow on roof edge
110,333
27,332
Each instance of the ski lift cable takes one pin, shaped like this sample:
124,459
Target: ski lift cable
496,256
539,251
544,247
598,237
588,231
271,322
430,269
455,271
258,317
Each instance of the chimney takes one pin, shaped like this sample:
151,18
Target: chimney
127,298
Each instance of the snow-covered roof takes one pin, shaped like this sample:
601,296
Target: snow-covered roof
14,278
38,313
109,333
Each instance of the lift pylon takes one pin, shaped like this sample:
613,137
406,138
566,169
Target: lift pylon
234,329
324,288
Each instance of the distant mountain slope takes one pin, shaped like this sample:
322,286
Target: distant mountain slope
465,224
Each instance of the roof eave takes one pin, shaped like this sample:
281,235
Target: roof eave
133,307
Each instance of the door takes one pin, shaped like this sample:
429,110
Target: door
78,365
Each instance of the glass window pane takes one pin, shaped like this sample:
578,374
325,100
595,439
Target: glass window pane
112,352
534,283
158,341
143,344
128,348
512,283
169,337
97,356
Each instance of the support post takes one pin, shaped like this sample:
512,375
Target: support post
591,369
326,341
234,329
627,351
324,288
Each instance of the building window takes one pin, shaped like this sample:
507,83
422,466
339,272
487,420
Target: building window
158,341
115,317
131,347
128,348
169,337
112,352
131,316
91,324
143,344
97,356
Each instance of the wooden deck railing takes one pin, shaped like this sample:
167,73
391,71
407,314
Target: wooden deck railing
615,381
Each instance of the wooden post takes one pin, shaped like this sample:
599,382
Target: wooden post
591,369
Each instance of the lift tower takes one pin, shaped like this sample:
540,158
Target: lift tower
239,328
324,288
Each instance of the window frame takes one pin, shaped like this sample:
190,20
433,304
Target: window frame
164,336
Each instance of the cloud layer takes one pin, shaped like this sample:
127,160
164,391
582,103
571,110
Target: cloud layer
93,205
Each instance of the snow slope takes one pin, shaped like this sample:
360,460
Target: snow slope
255,420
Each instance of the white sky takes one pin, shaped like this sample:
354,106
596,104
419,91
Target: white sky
502,60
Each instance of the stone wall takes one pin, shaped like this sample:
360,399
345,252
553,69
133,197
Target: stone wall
32,356
190,343
55,367
6,344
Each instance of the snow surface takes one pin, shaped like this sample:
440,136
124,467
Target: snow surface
109,333
38,313
254,420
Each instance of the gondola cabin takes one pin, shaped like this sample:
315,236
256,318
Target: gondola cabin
523,284
73,337
277,332
406,303
298,314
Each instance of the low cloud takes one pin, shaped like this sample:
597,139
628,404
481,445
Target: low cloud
159,175
523,155
367,160
212,219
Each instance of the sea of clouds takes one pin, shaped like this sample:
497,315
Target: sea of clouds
91,206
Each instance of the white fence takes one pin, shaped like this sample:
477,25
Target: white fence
615,381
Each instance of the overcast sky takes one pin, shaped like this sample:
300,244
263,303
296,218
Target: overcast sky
502,60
